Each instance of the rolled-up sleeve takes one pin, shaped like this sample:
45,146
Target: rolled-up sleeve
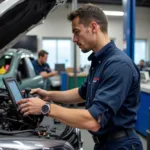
115,83
83,88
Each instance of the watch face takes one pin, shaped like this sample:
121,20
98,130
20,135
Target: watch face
45,109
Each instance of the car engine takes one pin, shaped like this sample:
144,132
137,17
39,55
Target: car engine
31,127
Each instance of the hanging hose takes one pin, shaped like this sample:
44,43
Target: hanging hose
15,132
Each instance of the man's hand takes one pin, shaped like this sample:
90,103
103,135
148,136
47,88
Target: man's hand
30,106
54,73
44,74
41,93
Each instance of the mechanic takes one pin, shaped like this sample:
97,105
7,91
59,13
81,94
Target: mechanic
111,89
41,67
141,65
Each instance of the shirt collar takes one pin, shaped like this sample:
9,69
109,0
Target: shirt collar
39,64
101,54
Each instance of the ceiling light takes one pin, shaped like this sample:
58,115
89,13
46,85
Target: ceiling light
114,13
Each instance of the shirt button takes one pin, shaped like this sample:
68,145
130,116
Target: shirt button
89,83
92,68
99,62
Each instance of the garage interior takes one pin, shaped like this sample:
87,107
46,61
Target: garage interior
54,35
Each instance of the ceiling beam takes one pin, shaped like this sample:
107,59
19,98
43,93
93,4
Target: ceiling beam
116,2
143,3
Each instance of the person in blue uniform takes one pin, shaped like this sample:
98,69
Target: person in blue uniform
41,66
141,65
111,90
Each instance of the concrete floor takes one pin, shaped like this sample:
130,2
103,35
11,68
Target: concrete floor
89,144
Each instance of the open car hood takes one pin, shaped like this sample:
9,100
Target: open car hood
17,17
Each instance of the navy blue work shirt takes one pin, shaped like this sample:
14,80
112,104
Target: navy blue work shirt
40,68
112,89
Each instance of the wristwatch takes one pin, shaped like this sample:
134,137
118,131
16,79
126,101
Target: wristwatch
46,108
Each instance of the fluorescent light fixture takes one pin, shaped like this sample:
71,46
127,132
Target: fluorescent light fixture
114,13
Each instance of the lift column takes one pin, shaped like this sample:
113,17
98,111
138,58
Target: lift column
129,7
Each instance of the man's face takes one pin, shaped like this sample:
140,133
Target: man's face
141,63
44,59
82,35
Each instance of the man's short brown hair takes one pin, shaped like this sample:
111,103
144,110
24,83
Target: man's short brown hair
88,13
42,53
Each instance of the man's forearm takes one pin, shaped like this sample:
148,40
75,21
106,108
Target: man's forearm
67,97
46,75
78,118
50,74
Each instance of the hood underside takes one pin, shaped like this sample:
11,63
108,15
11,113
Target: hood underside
22,17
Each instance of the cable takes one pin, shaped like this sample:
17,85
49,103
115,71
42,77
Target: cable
24,123
66,135
72,138
15,132
21,126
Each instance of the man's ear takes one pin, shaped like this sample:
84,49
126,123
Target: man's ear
94,26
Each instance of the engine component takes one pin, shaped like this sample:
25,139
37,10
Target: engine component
37,127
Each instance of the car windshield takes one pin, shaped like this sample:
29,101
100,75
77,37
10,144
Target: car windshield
5,62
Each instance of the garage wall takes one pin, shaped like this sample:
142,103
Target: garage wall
57,25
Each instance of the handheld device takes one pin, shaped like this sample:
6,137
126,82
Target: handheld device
13,90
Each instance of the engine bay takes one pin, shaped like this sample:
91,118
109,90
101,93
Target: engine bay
30,127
